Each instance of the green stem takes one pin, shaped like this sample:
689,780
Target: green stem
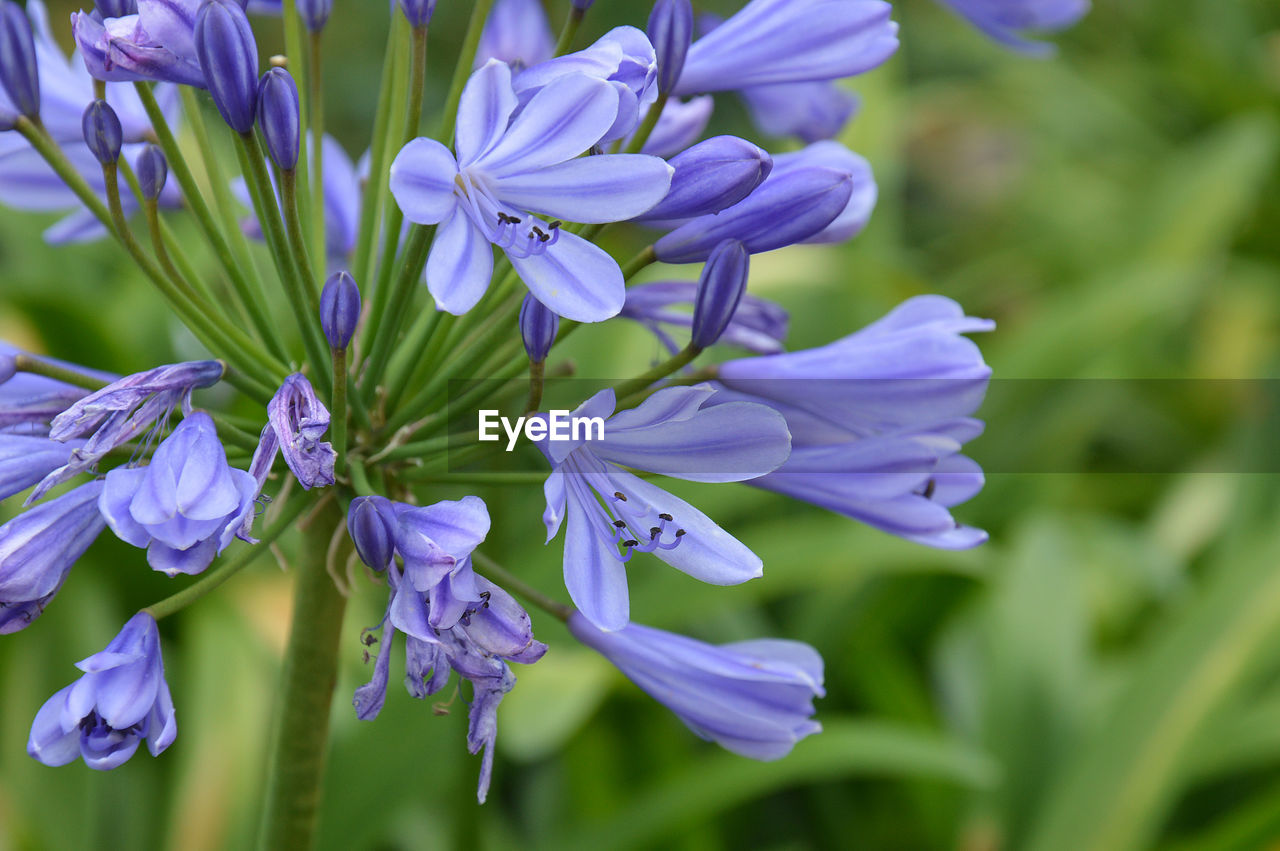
641,260
420,348
462,70
569,30
384,338
338,404
301,736
486,478
36,366
646,127
252,299
509,580
295,37
297,241
316,105
419,448
537,373
643,381
214,578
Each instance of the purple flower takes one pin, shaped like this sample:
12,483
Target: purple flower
296,420
711,176
754,698
123,411
516,33
37,549
622,57
790,41
28,401
612,514
339,309
19,75
121,699
538,328
371,523
278,117
757,325
878,419
507,169
418,12
811,111
102,132
823,193
228,55
679,126
671,31
153,171
158,43
1008,21
186,505
720,290
26,459
451,618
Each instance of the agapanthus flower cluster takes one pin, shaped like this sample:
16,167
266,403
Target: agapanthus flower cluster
345,293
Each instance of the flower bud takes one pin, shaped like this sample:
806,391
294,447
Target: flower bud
784,210
582,5
315,13
102,132
723,281
278,117
418,12
371,526
19,74
711,176
116,8
153,171
339,309
671,32
228,55
538,326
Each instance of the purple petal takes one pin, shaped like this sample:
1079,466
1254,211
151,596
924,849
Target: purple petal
607,188
561,121
575,278
484,111
422,181
595,579
460,265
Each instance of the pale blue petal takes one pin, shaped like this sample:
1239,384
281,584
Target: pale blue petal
606,188
575,278
560,122
422,181
460,265
484,111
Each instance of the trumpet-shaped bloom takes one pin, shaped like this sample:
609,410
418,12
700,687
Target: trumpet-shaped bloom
1009,21
611,514
878,420
121,700
509,170
754,698
123,411
790,41
758,325
451,618
186,505
37,549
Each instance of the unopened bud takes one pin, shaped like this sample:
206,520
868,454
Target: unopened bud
102,132
723,281
19,73
538,326
371,525
228,55
116,8
152,170
315,13
339,309
279,118
671,32
418,12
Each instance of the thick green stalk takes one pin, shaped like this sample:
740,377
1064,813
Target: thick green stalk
569,30
214,578
415,258
515,583
37,366
299,65
251,297
297,240
646,379
646,127
301,737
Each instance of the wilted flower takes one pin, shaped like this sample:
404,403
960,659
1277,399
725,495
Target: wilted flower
121,700
296,420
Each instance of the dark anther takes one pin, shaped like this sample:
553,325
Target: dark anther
366,657
542,237
503,218
369,639
631,543
621,524
679,533
929,488
666,517
515,220
620,495
554,224
485,595
654,531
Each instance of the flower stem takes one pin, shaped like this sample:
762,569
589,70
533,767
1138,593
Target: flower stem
537,373
462,71
36,366
643,381
214,578
297,241
339,405
301,736
646,127
510,580
635,264
569,30
411,265
316,106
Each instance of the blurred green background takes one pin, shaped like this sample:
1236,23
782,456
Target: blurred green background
1102,675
